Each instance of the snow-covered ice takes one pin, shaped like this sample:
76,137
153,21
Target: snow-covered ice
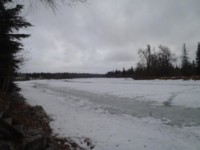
121,114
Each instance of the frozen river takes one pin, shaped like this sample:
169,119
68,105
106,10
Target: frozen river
122,114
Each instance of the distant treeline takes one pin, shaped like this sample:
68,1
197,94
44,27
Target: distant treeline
161,64
31,76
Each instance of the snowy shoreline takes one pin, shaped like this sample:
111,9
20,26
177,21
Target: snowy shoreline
95,108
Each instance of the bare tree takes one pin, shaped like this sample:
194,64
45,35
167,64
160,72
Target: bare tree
55,3
155,64
145,55
166,56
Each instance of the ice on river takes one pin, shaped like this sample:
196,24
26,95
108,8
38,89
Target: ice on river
122,114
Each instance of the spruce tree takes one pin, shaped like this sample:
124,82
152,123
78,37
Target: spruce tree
10,43
198,59
185,62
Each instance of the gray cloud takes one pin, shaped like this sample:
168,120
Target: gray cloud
102,35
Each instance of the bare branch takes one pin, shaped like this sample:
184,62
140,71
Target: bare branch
53,4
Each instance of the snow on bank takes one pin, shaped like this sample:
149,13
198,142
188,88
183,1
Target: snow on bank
75,116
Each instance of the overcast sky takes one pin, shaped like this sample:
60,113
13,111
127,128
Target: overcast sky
103,35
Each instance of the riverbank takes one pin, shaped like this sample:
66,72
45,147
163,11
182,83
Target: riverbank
168,78
33,127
